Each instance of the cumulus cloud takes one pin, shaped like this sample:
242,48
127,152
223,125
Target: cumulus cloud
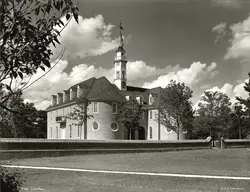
220,29
90,37
232,91
57,80
240,41
196,73
227,3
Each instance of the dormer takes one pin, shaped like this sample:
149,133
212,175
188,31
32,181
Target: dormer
66,95
152,98
54,99
72,93
79,91
59,98
139,99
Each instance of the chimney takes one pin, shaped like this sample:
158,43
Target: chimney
65,95
59,98
72,93
54,98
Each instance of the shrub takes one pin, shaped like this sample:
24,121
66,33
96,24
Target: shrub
11,181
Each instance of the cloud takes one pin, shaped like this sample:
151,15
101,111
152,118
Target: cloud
220,29
196,73
90,37
230,90
240,41
228,3
57,80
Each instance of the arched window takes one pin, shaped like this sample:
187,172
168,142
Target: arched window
123,84
51,132
150,132
95,126
168,130
114,127
70,131
56,132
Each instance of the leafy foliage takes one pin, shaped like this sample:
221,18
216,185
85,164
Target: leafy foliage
28,29
80,111
175,108
29,123
130,114
214,115
246,102
238,124
11,181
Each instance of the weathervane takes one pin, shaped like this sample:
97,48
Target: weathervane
121,37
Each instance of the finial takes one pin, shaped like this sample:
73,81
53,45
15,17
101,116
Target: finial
121,38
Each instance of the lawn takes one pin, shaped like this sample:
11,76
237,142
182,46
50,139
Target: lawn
228,162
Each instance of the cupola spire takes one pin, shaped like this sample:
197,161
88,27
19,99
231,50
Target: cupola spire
120,76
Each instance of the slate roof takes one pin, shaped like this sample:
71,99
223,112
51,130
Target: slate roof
95,89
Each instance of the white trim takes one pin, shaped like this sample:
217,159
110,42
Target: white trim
168,131
129,172
184,132
117,127
97,124
116,108
97,107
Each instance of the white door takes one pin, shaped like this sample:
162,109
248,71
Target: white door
63,133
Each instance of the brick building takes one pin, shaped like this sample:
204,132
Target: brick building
105,97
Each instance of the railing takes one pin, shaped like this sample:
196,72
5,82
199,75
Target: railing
60,119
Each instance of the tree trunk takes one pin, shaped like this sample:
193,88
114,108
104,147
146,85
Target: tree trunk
178,129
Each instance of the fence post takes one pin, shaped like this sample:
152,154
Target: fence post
223,146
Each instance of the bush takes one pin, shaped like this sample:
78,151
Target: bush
11,181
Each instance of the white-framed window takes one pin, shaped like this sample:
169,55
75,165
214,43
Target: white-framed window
51,132
139,99
95,107
151,99
156,115
150,114
168,130
114,108
95,126
78,131
142,115
117,74
114,127
150,132
128,97
57,134
184,130
70,131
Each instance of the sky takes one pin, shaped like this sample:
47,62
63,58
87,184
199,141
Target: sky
203,43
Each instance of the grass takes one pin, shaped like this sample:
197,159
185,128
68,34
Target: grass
228,162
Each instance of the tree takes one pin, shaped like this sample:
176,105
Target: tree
80,112
214,114
238,124
28,28
29,123
130,114
175,108
246,102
